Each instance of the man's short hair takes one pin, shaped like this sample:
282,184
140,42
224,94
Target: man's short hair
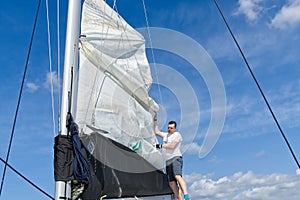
173,122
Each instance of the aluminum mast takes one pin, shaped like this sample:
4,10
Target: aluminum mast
63,189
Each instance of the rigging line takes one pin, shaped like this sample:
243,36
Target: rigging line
262,93
105,35
121,41
26,179
20,95
152,52
92,93
115,6
50,67
70,92
58,59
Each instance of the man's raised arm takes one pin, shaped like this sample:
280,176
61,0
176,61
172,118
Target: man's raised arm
156,130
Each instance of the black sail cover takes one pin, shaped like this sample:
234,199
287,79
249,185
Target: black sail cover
63,158
105,180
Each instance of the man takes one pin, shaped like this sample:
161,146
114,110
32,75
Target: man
173,156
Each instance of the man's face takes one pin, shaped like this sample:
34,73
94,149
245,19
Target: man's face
171,128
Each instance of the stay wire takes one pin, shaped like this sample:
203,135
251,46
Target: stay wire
152,52
50,68
58,60
20,95
257,84
26,179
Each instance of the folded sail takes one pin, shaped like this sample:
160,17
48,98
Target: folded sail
113,101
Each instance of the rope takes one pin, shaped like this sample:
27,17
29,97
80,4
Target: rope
257,84
152,52
26,179
20,95
81,166
58,59
50,68
115,6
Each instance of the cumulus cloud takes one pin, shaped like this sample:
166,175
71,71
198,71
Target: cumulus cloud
288,16
32,87
250,8
244,186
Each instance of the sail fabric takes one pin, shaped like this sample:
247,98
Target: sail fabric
114,79
117,183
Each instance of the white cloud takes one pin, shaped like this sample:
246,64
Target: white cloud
53,76
247,117
286,104
260,153
32,87
288,16
192,148
215,160
250,8
244,186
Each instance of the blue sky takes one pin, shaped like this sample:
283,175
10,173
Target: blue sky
250,159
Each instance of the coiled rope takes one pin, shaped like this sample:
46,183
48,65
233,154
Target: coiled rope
81,166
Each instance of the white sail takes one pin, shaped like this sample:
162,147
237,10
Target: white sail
114,79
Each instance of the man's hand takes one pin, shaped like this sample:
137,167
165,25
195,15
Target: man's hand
155,117
156,130
155,120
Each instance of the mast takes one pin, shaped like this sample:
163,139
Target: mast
63,189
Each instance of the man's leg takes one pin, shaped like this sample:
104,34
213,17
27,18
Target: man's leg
182,184
175,189
177,170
